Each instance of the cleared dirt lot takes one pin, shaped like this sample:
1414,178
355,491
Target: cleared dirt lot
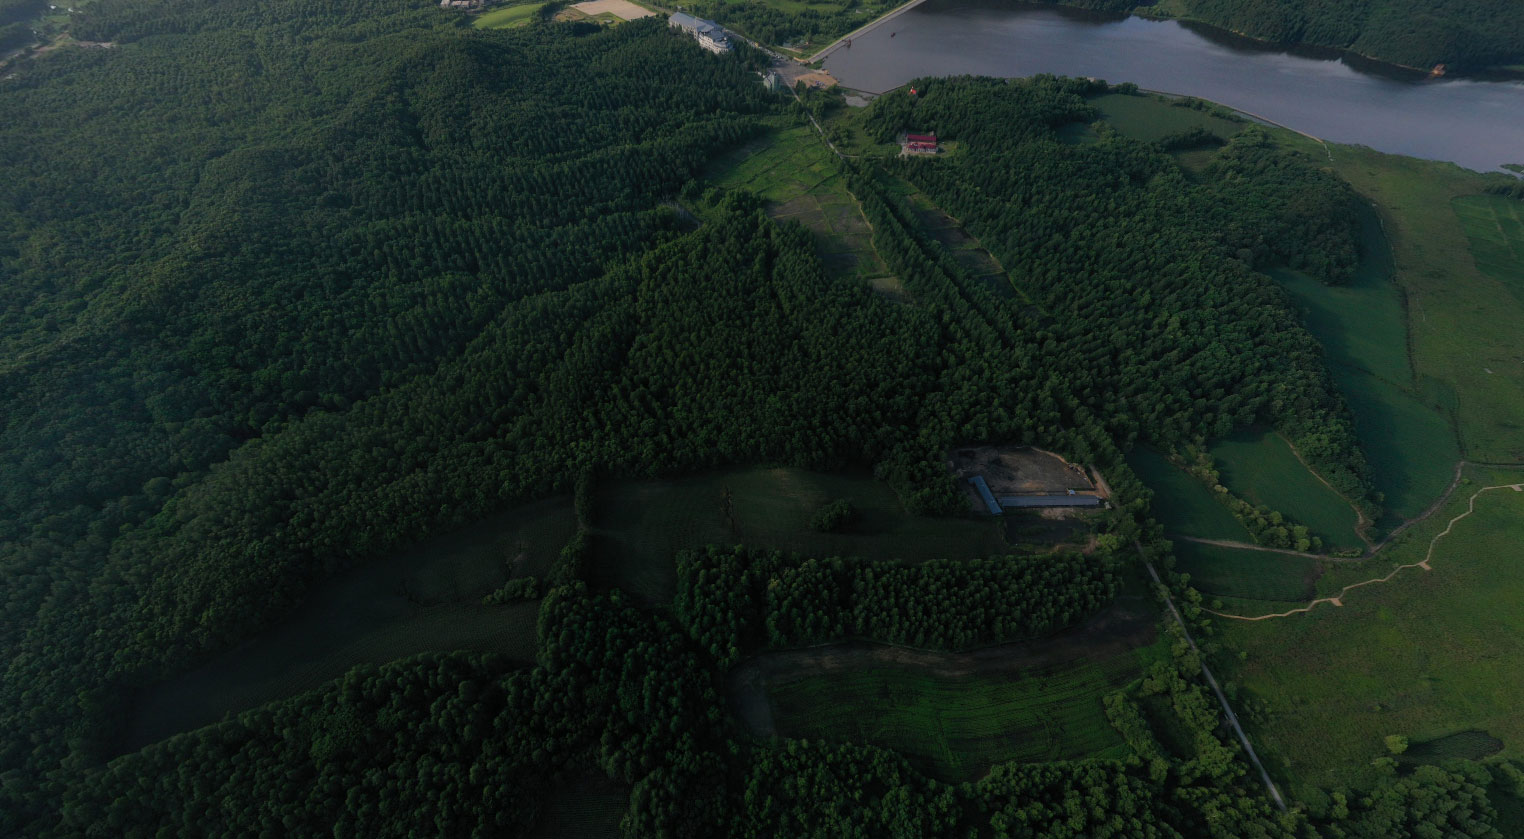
1019,470
622,9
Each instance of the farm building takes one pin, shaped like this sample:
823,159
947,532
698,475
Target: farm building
920,144
1070,500
710,35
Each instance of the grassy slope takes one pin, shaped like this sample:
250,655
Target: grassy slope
1362,326
642,524
507,17
1463,322
1262,469
1495,227
1247,575
795,172
425,598
1183,504
1426,655
957,714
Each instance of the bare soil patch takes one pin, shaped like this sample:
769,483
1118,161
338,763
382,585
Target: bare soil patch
1015,470
622,9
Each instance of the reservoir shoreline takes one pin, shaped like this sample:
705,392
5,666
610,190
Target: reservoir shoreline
1465,121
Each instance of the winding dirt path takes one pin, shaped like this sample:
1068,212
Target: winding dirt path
1338,600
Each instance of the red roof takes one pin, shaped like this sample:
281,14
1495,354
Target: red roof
920,138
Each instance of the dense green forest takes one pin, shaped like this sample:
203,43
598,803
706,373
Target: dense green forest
1462,34
290,285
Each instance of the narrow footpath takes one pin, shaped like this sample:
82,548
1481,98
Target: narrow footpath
1338,599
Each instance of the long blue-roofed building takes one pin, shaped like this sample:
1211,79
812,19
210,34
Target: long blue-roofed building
984,493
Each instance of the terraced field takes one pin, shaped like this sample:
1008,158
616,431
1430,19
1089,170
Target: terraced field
956,714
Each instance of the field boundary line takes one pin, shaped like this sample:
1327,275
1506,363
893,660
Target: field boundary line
1337,599
1363,522
1222,699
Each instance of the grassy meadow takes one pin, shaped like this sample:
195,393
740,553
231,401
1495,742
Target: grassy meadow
1463,320
507,17
1495,227
1151,117
1261,468
957,714
425,598
641,525
794,171
1184,505
1247,574
1362,325
1430,655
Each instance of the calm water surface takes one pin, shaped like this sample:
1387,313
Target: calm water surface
1477,124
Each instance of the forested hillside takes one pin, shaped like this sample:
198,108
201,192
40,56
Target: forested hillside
1462,34
290,285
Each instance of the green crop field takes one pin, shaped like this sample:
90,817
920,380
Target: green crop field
956,714
507,17
641,525
1150,117
1183,504
1246,574
1495,227
426,598
1262,469
1431,655
1362,326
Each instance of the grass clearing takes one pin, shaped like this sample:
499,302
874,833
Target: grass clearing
1362,326
1495,227
1463,322
425,598
1246,574
642,525
794,171
957,714
1262,469
508,17
1150,117
1430,655
1183,504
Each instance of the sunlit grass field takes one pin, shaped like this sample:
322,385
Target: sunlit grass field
507,17
1426,655
1262,469
1253,575
1184,505
1362,325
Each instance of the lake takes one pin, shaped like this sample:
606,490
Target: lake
1478,124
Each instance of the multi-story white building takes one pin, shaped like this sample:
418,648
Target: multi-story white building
710,35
